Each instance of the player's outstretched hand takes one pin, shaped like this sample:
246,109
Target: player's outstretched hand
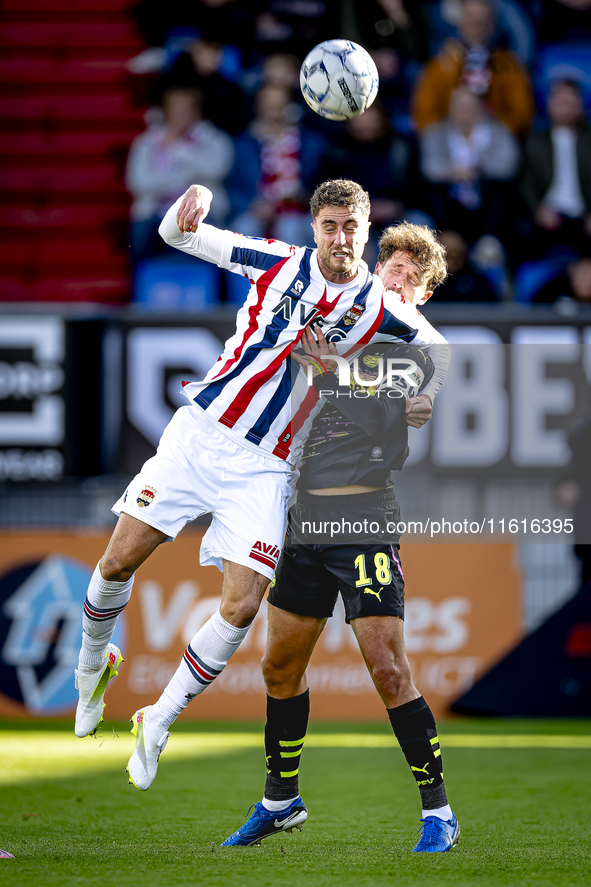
418,410
315,352
194,207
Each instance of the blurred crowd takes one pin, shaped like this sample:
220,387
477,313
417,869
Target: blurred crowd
479,130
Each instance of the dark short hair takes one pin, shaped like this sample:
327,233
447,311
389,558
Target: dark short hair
567,83
339,192
420,241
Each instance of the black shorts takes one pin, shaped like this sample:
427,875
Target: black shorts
366,571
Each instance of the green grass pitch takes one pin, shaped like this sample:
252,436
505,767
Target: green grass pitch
69,817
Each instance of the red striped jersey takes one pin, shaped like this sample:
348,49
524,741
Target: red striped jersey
251,392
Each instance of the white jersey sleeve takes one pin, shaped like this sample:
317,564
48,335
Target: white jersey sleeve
248,256
440,355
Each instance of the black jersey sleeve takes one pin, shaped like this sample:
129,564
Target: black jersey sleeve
374,413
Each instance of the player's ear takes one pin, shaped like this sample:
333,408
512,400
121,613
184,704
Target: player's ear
377,268
314,230
426,297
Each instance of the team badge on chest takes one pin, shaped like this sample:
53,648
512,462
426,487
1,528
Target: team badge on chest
353,315
146,497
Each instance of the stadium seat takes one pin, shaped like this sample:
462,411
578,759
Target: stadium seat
76,6
72,288
83,288
70,145
92,249
57,217
95,178
530,277
171,282
70,114
236,288
70,35
72,108
43,72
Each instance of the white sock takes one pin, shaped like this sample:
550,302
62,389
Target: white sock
440,812
105,600
274,806
205,658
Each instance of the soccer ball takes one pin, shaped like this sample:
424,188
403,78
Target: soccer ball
339,79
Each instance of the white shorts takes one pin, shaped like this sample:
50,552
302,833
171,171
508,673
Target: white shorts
197,470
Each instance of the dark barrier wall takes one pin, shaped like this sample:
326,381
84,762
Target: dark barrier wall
87,396
50,397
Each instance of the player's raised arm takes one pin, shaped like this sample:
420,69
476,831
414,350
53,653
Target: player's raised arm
183,228
195,204
184,217
440,353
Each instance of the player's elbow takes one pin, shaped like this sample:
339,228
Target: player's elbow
169,235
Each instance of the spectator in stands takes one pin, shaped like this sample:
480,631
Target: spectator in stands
381,160
277,163
513,26
574,284
392,24
557,175
394,86
485,70
469,159
394,33
282,69
279,69
294,27
463,283
225,21
166,159
199,67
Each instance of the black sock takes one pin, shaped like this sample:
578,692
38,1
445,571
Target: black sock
415,729
285,731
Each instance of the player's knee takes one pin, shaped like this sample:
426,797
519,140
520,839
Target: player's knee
392,677
116,569
240,611
280,680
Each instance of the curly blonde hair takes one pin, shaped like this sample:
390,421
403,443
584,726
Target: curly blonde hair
423,246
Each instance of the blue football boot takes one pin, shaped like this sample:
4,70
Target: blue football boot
263,823
437,835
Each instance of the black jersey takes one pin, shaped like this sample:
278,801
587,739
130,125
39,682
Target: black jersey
361,435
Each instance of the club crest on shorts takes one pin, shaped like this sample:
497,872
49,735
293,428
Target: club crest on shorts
266,553
146,496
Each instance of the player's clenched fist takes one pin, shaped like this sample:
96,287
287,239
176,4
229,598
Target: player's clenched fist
194,207
418,410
